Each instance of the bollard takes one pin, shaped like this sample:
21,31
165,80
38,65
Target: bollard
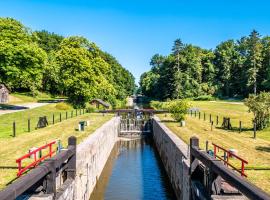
71,171
14,129
240,126
53,118
51,177
29,129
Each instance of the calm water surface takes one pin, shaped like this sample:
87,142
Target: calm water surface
134,171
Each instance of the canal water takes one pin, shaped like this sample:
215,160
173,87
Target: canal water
134,171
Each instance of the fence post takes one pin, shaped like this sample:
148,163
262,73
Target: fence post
76,112
14,129
206,145
217,119
71,113
199,115
210,118
195,113
254,129
212,125
83,110
60,117
191,113
204,116
80,111
66,114
51,177
53,118
29,128
71,170
240,126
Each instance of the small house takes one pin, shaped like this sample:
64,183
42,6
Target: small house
98,102
4,94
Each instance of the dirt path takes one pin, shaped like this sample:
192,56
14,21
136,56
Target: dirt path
20,107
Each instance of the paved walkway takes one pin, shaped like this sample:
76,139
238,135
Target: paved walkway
21,107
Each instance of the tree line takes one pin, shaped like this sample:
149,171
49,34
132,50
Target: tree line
234,69
73,66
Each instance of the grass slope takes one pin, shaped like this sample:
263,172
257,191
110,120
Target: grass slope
12,148
21,119
257,152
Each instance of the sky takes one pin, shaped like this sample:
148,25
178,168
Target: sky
134,30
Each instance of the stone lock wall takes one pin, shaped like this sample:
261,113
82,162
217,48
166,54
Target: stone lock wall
174,155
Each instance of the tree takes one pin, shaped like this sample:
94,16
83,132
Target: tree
48,41
83,74
178,109
254,59
21,60
259,105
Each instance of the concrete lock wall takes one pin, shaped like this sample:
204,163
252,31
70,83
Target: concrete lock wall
91,158
174,155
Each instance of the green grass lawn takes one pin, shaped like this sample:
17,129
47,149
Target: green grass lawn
21,119
255,151
13,148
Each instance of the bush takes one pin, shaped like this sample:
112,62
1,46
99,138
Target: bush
259,105
204,98
63,106
179,109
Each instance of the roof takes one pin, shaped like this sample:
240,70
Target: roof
105,104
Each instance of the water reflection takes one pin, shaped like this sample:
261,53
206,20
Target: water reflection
133,171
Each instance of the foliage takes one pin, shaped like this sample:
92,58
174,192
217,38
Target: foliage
234,69
48,62
259,105
178,109
63,106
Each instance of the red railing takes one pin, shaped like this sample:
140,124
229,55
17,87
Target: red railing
36,161
226,155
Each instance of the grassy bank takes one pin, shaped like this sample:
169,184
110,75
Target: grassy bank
21,119
257,152
20,145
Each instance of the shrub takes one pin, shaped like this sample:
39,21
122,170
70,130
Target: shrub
63,106
179,109
260,106
157,105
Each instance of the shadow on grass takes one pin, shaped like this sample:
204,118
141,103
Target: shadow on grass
168,121
263,148
8,167
234,129
12,107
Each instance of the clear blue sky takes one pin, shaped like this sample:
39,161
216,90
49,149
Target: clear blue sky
134,30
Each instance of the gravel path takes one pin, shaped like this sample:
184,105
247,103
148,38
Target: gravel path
21,107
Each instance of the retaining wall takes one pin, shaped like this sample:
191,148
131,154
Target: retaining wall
174,155
91,158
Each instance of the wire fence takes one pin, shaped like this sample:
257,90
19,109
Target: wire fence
23,123
222,121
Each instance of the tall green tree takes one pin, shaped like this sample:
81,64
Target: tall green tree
254,59
22,61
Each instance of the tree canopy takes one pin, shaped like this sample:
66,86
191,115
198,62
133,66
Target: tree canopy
71,66
235,68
